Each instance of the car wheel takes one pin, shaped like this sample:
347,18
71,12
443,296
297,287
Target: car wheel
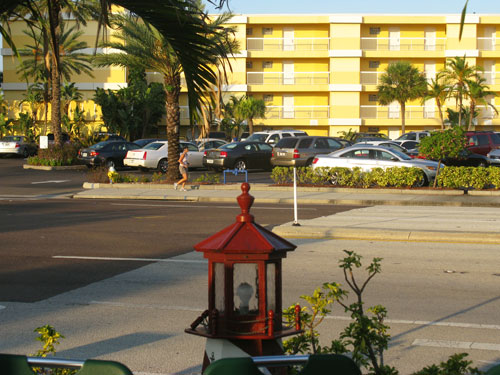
240,165
163,165
482,164
424,181
110,163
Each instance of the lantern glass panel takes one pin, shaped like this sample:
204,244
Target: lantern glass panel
271,286
219,286
246,288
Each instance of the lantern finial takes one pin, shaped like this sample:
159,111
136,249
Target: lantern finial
245,201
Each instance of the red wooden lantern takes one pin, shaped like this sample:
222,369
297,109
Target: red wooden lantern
244,285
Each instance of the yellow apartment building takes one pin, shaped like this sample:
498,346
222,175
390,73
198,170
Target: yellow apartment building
319,73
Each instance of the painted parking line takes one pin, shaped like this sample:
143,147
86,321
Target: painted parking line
130,259
205,206
49,182
456,344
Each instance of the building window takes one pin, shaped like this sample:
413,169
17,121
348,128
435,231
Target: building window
249,31
374,30
372,97
374,64
267,31
249,64
268,97
267,64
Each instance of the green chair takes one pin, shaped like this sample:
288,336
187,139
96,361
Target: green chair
12,364
232,366
334,364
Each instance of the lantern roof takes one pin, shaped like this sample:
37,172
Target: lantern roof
245,236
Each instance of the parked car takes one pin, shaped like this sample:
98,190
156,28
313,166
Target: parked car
107,153
467,158
368,157
368,136
244,136
344,142
155,156
494,157
144,141
239,155
300,151
385,143
208,143
218,135
65,138
102,136
482,142
18,145
273,136
412,136
409,145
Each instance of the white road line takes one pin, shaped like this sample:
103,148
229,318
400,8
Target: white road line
50,182
428,323
147,306
198,206
130,259
456,344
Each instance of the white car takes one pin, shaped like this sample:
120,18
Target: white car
273,136
155,156
384,143
208,143
494,156
17,145
368,157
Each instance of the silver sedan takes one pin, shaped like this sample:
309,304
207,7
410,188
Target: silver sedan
368,157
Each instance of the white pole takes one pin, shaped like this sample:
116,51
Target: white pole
295,222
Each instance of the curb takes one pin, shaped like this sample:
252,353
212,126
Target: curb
322,232
54,168
266,187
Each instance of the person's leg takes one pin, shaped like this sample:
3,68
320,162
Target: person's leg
183,180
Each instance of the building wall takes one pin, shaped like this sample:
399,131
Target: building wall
319,73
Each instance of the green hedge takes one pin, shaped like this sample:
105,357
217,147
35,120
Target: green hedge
392,177
399,177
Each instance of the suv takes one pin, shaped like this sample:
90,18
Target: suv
273,136
413,136
482,142
300,151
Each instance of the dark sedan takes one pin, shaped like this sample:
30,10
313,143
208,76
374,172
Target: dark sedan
465,159
108,153
239,155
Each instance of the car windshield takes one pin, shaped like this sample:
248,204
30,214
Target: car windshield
153,146
495,138
100,145
11,138
229,146
257,137
401,155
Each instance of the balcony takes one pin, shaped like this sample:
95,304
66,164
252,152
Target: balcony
373,77
298,112
488,44
491,78
284,78
412,112
403,44
287,44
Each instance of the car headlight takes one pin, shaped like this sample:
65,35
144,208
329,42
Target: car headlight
431,168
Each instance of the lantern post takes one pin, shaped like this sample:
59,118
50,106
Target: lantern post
244,315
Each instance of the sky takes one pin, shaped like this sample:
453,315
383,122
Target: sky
360,6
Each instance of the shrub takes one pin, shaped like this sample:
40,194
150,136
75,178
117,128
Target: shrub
98,175
465,177
211,178
56,156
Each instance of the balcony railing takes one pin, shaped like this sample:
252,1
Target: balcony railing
488,44
287,44
383,112
283,78
372,77
403,44
491,78
298,112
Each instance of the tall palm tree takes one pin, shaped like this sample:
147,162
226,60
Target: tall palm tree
143,46
459,74
438,90
183,25
478,93
401,82
250,108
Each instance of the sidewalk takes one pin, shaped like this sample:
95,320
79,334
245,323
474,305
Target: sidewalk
391,215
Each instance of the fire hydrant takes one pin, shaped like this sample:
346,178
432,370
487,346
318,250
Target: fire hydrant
112,174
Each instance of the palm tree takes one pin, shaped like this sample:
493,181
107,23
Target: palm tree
184,27
401,82
250,108
438,90
478,92
69,93
459,74
143,46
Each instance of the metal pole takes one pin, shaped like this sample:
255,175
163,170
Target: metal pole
295,222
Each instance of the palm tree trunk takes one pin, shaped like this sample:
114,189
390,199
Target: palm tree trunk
55,31
250,126
403,117
471,116
438,103
173,86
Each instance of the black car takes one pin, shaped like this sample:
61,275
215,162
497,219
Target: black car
467,159
239,155
145,141
108,153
